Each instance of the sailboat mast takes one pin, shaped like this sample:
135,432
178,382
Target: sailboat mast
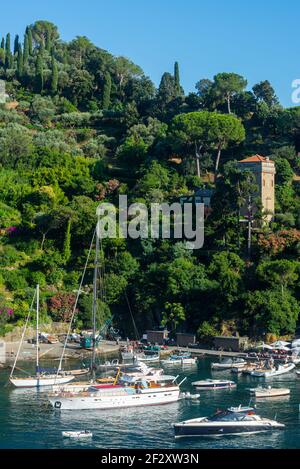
37,328
94,310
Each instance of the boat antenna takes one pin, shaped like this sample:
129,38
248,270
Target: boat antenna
79,291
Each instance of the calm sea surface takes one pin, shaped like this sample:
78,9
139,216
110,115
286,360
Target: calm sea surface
26,421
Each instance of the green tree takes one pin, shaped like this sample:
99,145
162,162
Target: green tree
15,145
16,44
30,42
20,63
54,76
167,90
227,85
189,134
106,91
44,33
8,54
265,92
67,243
272,311
39,74
177,79
282,272
203,130
26,49
222,131
173,315
227,268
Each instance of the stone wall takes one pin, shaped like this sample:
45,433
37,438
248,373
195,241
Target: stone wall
53,328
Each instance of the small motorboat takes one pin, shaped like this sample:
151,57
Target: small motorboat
188,395
214,384
263,392
79,434
108,365
228,364
237,369
183,359
241,409
79,372
225,423
274,371
147,358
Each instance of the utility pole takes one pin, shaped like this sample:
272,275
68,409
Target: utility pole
249,220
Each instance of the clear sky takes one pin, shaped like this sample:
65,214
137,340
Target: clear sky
258,39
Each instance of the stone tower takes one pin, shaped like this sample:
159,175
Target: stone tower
264,171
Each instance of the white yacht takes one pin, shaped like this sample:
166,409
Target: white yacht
114,396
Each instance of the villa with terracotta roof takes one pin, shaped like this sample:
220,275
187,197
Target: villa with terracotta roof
264,171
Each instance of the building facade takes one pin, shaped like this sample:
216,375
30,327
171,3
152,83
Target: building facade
264,170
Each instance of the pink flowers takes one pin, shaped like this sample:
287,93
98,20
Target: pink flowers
10,230
8,311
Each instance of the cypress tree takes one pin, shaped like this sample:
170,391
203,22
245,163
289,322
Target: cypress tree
8,56
2,52
26,49
177,76
39,75
67,243
106,91
16,44
54,76
20,62
48,41
29,36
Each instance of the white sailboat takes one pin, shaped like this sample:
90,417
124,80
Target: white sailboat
40,378
144,390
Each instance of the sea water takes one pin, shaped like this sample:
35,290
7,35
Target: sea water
27,421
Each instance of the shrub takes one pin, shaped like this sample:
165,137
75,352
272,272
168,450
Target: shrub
14,280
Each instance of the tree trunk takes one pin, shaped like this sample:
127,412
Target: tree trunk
197,155
198,164
228,104
217,162
43,241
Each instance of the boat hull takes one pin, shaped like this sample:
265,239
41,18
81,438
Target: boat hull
185,431
43,381
99,401
227,366
214,384
187,361
271,373
269,393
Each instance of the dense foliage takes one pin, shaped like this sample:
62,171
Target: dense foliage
82,126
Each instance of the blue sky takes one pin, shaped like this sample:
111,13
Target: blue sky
257,39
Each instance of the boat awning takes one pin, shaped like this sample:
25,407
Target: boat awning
45,370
